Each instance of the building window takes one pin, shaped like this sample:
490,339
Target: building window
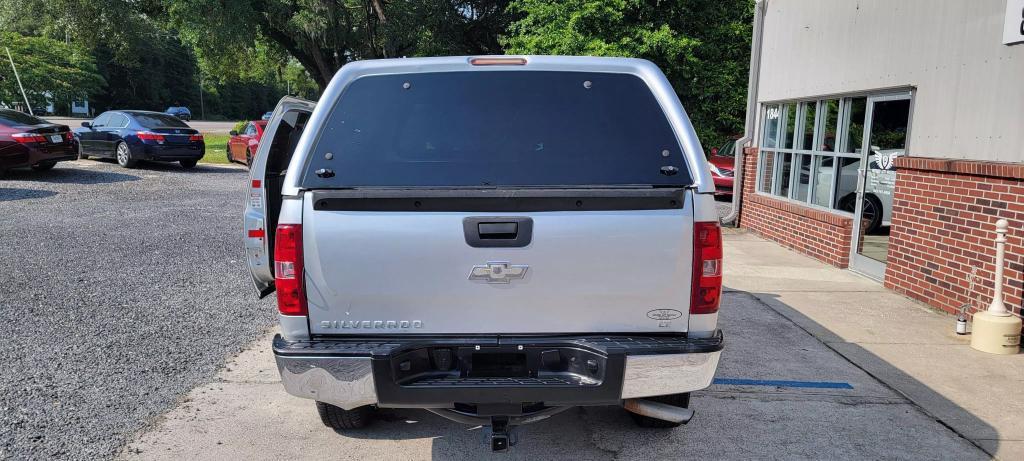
790,124
805,143
785,169
772,118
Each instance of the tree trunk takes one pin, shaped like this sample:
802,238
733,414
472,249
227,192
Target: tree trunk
321,81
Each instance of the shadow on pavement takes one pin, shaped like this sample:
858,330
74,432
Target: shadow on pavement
175,167
950,414
69,175
200,168
10,195
565,435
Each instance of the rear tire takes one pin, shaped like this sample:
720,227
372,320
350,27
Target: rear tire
248,158
871,211
44,166
676,400
872,214
227,149
124,156
341,420
188,164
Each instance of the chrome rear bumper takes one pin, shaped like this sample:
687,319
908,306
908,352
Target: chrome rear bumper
345,382
342,373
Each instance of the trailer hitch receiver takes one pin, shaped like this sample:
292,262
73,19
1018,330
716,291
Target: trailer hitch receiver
502,434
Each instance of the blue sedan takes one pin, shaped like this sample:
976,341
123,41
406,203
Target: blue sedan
129,136
180,112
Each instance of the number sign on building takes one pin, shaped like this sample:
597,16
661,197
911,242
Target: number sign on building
1013,25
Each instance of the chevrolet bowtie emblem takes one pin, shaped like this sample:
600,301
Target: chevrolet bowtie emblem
498,272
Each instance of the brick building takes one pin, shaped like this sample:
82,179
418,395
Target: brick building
887,137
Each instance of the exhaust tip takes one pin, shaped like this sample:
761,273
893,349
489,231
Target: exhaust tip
658,410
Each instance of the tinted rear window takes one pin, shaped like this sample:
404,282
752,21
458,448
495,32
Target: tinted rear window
15,118
496,128
159,120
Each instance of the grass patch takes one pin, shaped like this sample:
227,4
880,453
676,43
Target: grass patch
215,148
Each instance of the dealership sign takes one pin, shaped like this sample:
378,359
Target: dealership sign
1013,25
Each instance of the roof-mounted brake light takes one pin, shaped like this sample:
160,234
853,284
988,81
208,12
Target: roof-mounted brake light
499,61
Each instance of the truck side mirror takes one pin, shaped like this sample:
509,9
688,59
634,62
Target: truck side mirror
714,151
233,133
87,124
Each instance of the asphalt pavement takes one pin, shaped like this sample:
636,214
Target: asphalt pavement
123,289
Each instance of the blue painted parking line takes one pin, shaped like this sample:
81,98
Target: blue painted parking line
780,383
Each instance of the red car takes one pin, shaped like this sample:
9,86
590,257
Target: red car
242,146
722,161
27,141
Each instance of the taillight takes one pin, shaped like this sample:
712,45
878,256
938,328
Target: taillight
149,136
706,288
69,136
28,138
291,296
195,137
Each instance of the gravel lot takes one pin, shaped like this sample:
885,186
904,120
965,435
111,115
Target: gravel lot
111,308
723,205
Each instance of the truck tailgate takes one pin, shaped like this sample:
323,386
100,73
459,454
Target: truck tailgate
614,271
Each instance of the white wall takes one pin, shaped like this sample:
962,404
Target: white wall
969,101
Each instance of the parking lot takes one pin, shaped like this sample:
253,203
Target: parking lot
123,290
127,303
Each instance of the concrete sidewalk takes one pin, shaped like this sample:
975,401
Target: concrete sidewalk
910,348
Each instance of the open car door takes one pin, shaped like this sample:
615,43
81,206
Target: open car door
266,174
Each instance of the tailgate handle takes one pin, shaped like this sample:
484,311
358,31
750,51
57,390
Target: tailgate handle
497,231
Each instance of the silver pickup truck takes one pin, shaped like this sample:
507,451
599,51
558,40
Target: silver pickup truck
493,239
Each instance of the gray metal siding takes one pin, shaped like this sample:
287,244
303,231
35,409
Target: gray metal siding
969,100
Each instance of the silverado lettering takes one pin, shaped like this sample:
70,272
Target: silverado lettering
365,324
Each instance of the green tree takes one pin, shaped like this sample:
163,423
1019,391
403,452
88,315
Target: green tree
161,73
298,82
323,35
144,65
47,67
703,46
115,24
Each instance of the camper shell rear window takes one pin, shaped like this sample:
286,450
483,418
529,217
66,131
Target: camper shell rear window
496,128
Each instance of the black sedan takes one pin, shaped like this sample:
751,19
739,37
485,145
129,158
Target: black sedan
27,141
132,135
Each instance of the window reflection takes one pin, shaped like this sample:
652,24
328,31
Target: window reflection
823,180
785,166
828,128
813,148
808,126
771,126
803,179
856,107
787,139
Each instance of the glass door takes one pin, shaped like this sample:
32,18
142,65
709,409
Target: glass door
885,138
